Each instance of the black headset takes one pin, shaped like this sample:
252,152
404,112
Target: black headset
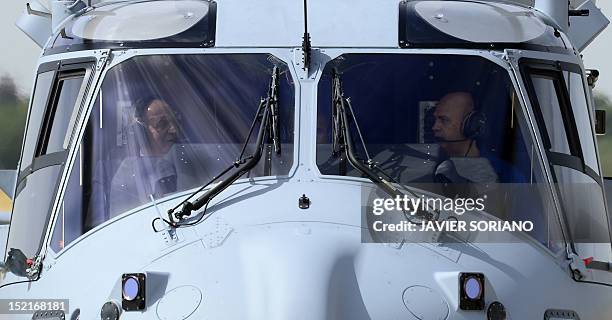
474,125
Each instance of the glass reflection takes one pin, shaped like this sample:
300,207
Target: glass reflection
446,125
166,124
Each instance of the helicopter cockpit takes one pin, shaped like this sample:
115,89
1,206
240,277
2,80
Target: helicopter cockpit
123,123
208,104
208,101
394,101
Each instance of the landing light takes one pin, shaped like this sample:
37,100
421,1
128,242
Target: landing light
472,288
130,288
471,291
133,291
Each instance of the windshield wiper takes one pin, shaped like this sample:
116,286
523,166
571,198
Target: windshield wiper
343,145
267,115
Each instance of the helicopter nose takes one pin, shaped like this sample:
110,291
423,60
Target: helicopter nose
307,283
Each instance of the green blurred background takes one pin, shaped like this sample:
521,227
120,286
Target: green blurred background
13,113
604,102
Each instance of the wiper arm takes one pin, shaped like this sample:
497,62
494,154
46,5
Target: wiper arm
272,102
267,114
343,142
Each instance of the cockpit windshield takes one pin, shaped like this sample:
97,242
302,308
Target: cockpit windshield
446,124
169,123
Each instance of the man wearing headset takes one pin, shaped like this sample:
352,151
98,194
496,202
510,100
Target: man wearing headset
161,125
454,115
158,163
466,171
462,168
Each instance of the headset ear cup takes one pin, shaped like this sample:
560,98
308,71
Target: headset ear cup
465,131
474,125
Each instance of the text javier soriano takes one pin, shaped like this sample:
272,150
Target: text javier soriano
418,208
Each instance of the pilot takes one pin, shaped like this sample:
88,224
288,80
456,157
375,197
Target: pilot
160,124
157,163
464,169
450,115
457,124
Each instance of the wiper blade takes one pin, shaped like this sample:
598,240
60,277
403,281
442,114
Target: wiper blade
272,102
343,143
267,114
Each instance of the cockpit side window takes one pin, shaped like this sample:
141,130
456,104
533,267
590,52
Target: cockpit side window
53,137
60,87
561,111
576,90
548,87
557,95
44,81
59,91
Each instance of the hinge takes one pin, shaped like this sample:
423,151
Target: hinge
576,264
103,60
34,270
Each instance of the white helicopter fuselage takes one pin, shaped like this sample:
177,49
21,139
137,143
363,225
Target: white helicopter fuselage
257,254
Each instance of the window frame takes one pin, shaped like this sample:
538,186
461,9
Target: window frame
51,207
62,70
522,112
527,66
50,112
554,71
59,68
80,143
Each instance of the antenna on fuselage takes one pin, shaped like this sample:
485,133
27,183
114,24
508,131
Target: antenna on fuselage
306,46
